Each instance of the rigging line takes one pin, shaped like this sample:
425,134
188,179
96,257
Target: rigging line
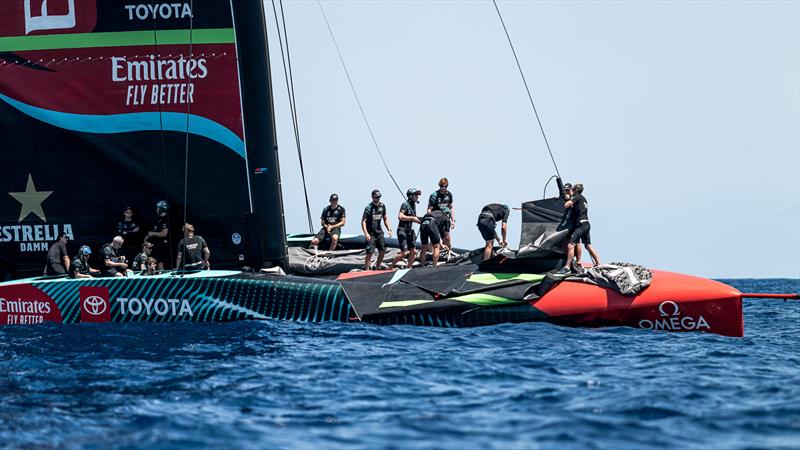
525,82
361,108
186,145
290,92
161,127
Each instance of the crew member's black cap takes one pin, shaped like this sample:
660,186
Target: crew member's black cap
376,193
334,197
567,186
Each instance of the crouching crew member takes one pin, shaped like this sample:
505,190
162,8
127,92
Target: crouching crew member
333,219
80,265
487,221
374,213
57,259
193,253
430,234
580,233
405,228
442,200
114,265
140,261
159,236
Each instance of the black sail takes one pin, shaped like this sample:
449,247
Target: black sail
105,104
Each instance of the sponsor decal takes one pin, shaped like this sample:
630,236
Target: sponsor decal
32,238
26,17
672,320
155,68
163,11
26,305
94,304
236,238
172,307
316,263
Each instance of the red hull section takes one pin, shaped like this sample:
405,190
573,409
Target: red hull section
672,302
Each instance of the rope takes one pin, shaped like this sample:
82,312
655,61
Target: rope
525,82
286,60
186,145
360,107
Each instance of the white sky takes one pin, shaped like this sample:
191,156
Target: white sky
682,119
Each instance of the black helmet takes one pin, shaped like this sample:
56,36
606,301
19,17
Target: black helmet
413,191
162,205
85,250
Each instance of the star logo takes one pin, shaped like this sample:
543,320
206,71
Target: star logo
31,200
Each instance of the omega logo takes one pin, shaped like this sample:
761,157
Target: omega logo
95,305
668,304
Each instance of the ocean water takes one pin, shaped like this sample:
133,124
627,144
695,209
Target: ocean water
279,384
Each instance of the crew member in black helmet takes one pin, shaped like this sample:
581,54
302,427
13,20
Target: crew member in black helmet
440,200
193,253
333,219
80,267
581,233
430,234
374,213
405,228
114,264
129,230
159,236
140,261
487,221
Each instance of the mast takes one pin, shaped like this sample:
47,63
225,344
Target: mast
266,226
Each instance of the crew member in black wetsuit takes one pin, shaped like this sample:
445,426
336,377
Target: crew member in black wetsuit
405,228
569,219
193,253
80,267
487,221
129,230
140,261
114,264
333,219
438,201
374,213
430,234
581,233
159,236
57,259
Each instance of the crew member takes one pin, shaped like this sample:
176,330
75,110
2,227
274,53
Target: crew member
570,221
438,201
374,213
430,234
193,253
332,219
487,221
129,230
140,260
114,264
405,228
57,259
150,266
80,267
581,233
159,236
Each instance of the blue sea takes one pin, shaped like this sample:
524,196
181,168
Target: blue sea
276,384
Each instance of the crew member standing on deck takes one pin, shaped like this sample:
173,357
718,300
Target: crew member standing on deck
442,200
57,259
333,219
430,234
487,221
582,228
570,220
159,236
374,213
193,253
129,230
405,228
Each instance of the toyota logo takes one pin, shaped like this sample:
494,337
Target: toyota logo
95,305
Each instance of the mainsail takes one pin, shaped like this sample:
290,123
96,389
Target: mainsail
112,103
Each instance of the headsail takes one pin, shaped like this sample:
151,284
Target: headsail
99,103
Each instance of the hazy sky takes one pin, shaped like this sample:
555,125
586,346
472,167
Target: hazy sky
681,118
